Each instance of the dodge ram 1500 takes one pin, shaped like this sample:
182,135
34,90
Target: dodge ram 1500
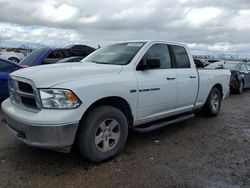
140,85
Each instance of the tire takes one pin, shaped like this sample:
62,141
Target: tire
14,59
213,104
103,133
241,87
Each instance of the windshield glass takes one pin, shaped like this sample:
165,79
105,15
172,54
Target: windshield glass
116,54
222,65
32,58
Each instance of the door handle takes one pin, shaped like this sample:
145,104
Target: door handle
171,78
192,76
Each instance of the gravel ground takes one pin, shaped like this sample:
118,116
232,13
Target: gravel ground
201,152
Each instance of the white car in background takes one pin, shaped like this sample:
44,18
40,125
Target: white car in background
12,56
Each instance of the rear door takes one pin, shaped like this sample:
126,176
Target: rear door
156,87
187,83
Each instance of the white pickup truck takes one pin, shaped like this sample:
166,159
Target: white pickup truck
142,85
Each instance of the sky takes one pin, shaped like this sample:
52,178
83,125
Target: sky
205,25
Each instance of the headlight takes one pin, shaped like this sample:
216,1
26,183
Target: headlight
59,99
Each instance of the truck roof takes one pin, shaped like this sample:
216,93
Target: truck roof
153,41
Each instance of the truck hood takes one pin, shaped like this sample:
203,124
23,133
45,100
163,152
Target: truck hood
46,76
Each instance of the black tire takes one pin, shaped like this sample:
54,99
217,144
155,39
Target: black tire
240,88
14,59
91,129
210,108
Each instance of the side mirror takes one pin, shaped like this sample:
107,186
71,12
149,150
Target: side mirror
149,64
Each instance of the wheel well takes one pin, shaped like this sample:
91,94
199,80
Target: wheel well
220,88
13,58
116,102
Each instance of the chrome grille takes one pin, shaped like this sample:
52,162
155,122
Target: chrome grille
23,94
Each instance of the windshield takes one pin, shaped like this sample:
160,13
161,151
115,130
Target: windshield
34,57
116,54
222,65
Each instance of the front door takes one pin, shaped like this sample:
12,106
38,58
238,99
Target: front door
156,87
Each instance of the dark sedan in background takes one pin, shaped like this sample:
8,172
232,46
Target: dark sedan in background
240,77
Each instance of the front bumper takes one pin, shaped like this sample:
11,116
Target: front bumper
54,137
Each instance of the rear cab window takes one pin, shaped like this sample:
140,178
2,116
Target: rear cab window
181,59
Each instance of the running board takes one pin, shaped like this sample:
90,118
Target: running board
161,124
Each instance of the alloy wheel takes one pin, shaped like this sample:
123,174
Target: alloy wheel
107,135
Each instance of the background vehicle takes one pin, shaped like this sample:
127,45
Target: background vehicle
80,50
12,56
212,60
142,85
200,63
6,67
240,77
48,55
71,59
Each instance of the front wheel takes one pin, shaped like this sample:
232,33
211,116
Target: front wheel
213,104
103,133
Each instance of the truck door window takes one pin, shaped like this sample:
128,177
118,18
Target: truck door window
159,51
181,57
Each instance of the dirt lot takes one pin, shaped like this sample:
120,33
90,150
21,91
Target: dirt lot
201,152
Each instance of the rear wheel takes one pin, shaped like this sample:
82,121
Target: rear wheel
103,133
213,104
